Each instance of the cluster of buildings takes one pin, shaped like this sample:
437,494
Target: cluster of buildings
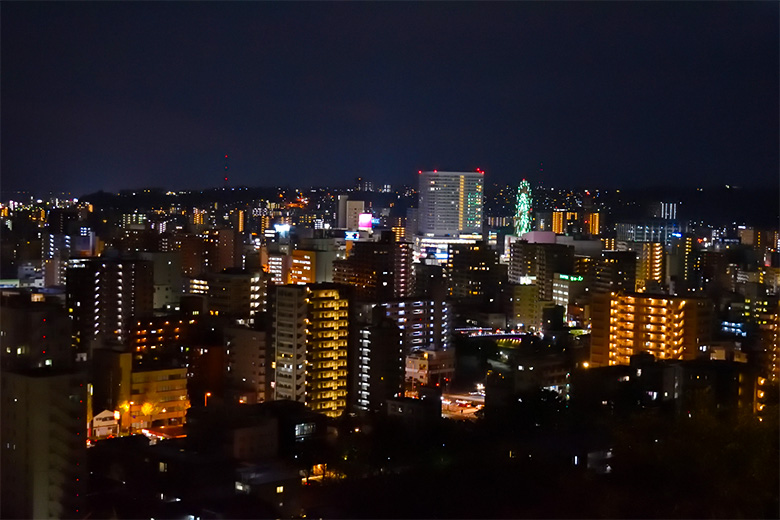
125,319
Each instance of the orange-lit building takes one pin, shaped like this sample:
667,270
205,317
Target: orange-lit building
304,267
664,326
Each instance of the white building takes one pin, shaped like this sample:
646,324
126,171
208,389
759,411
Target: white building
450,203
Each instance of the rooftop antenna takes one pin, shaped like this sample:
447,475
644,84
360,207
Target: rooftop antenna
226,171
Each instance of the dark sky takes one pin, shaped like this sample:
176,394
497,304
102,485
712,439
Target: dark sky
104,95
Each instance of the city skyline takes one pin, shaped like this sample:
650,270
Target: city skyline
123,96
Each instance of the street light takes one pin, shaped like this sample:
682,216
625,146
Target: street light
206,399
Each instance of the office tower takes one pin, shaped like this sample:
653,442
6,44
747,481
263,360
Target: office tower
474,274
624,324
44,417
523,209
377,271
647,231
567,288
279,265
35,331
450,203
304,267
104,295
379,360
311,336
249,371
615,271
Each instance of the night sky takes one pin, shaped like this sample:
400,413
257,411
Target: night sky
104,95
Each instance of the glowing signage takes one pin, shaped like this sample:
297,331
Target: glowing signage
365,221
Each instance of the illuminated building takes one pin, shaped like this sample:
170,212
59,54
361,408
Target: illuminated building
222,250
648,231
651,263
684,265
304,267
311,335
665,210
104,295
43,415
379,367
279,268
430,368
377,270
191,249
450,203
473,273
542,261
159,332
563,220
558,221
425,323
624,324
523,209
524,310
353,208
592,224
566,288
237,294
55,255
615,271
158,397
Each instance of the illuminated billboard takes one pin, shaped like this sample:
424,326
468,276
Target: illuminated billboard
365,221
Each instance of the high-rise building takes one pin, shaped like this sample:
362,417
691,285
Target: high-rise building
523,309
625,324
651,263
379,360
450,203
311,336
43,414
474,273
35,331
104,295
615,271
378,271
249,364
238,294
654,230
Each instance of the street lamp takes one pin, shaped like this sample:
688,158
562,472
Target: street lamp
206,399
